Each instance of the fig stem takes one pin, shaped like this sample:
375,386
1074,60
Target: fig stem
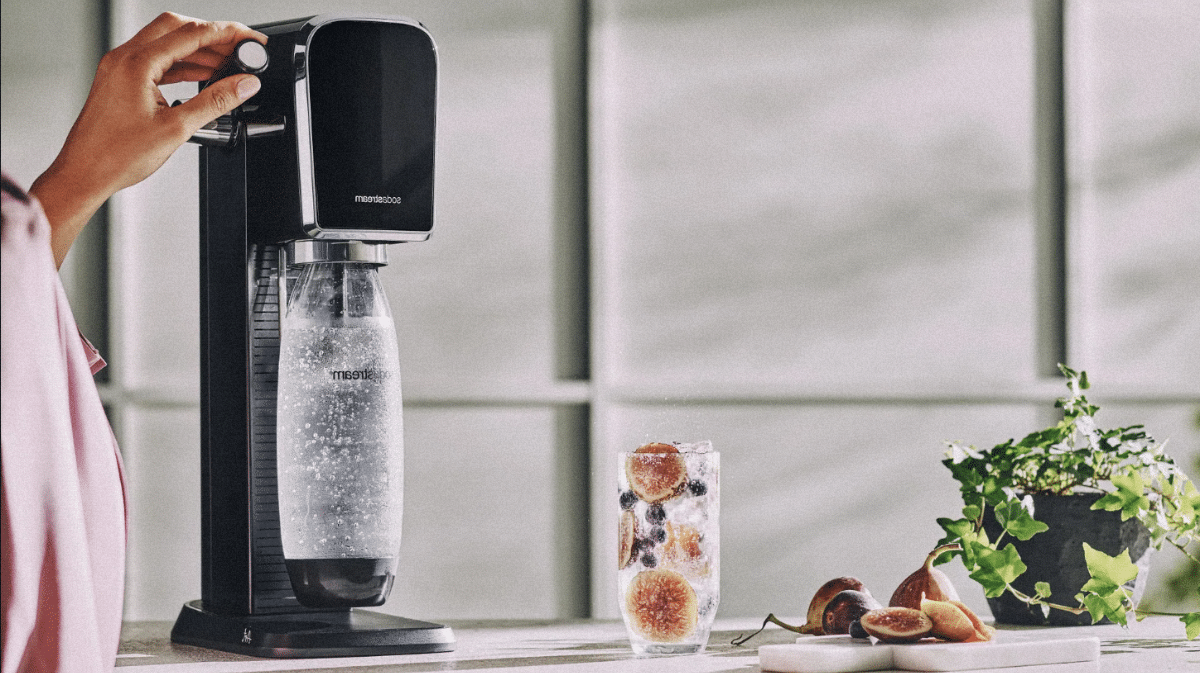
953,546
771,619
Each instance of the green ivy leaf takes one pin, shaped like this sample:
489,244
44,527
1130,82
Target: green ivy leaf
997,568
959,528
964,533
1017,521
1192,623
1094,604
1189,502
1109,503
1099,607
1108,572
1131,490
1042,589
965,473
993,491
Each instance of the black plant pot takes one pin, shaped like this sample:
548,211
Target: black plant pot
1056,556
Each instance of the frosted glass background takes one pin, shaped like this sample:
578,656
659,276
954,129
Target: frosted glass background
158,275
45,83
162,488
817,191
480,516
52,84
1135,162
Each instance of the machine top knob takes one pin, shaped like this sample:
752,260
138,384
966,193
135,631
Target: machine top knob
249,56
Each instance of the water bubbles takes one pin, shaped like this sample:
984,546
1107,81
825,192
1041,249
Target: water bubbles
340,469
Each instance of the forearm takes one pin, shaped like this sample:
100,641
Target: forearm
68,207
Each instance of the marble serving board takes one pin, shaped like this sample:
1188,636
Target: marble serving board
1023,653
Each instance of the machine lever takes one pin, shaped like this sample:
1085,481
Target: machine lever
249,56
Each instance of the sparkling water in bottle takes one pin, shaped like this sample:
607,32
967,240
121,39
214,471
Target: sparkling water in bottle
339,437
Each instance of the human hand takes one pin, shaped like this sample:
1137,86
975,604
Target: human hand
126,129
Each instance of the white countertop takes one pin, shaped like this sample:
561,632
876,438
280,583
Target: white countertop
1156,645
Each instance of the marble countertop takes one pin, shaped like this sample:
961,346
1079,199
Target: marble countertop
1154,645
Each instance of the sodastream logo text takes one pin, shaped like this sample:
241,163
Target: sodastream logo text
360,374
359,198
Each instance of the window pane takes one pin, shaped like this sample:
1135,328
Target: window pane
471,304
157,245
1133,73
809,494
161,453
43,87
817,191
480,518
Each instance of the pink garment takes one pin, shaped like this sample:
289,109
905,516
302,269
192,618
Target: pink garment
62,522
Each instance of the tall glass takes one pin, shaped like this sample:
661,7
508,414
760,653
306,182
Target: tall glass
669,546
339,437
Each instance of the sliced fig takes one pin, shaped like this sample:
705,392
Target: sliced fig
896,625
983,632
657,447
816,607
656,472
626,542
949,621
845,608
683,543
661,606
926,583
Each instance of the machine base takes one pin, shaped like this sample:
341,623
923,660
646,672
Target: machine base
345,633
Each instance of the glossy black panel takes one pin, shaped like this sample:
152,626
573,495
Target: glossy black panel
373,89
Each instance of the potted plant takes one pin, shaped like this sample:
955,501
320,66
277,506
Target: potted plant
1119,480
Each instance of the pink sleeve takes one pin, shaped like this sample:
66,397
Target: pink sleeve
94,359
62,500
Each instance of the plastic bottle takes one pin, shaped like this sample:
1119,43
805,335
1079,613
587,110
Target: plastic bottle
339,435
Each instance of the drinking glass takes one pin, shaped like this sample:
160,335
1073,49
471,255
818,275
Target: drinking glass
669,548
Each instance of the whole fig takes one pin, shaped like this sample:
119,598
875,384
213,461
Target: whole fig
816,607
926,583
844,609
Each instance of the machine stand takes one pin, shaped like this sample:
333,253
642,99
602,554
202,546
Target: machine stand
340,633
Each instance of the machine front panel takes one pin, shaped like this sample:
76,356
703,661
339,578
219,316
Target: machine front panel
372,87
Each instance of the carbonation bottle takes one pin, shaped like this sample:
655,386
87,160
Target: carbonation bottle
339,437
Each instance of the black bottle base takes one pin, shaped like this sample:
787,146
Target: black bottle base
341,582
345,633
